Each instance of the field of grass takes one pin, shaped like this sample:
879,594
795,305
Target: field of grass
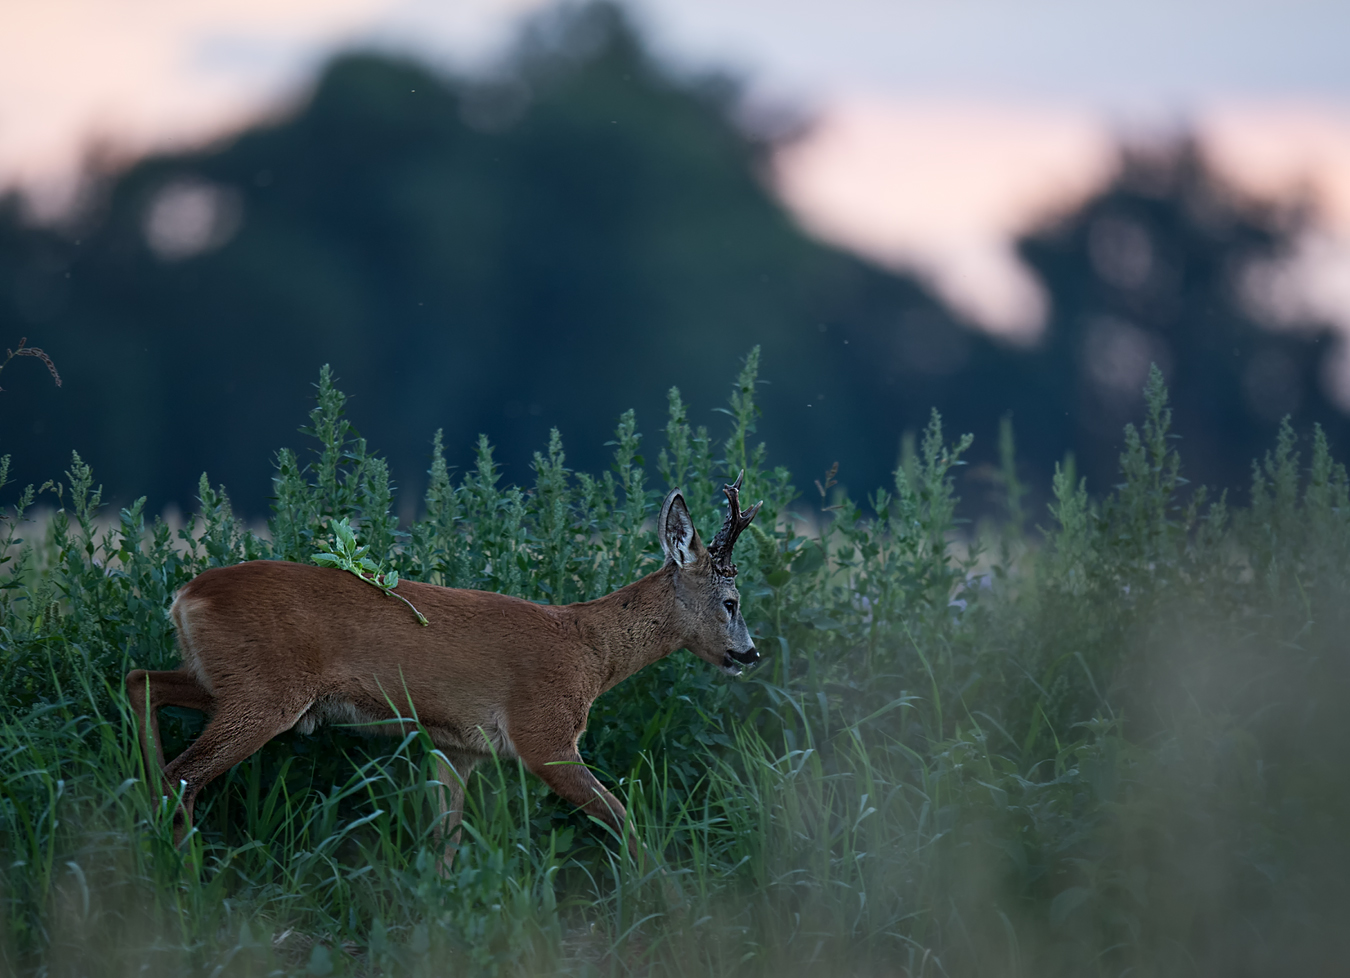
1107,739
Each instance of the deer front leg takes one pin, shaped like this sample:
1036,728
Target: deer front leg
561,768
452,771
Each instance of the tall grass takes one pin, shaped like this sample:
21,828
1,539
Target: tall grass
1113,747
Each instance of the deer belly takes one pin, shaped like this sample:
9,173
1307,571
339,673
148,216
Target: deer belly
488,737
335,710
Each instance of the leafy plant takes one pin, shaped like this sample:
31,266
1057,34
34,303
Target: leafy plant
347,555
1116,751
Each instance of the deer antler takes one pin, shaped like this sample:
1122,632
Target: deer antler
720,549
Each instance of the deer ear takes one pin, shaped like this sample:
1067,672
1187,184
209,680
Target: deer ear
675,529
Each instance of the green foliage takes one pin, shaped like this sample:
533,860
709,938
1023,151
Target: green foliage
1111,748
346,482
354,559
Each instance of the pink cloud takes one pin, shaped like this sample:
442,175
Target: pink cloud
127,75
945,187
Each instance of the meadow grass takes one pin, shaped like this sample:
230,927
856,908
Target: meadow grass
1115,746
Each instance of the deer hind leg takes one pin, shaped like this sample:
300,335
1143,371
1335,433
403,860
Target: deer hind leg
236,732
449,795
147,692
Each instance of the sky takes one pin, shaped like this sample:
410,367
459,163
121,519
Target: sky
943,127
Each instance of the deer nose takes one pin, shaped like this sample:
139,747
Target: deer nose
749,657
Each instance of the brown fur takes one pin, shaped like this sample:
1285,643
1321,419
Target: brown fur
269,645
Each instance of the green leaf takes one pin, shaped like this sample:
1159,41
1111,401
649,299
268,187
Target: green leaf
809,559
353,559
1066,902
320,961
421,940
344,533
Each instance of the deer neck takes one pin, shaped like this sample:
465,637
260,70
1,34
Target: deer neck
630,628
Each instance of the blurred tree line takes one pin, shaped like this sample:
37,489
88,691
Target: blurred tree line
569,238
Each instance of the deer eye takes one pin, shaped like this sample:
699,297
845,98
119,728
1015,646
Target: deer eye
731,607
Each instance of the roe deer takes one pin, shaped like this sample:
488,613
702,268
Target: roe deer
268,646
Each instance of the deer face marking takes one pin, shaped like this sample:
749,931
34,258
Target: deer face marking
740,651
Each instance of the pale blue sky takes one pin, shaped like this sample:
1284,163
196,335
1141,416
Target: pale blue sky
1152,56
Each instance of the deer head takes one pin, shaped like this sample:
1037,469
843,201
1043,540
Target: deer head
708,605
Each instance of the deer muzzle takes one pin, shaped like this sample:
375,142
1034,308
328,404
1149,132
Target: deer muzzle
734,662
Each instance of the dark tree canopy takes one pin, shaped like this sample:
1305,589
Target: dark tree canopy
1152,269
570,240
